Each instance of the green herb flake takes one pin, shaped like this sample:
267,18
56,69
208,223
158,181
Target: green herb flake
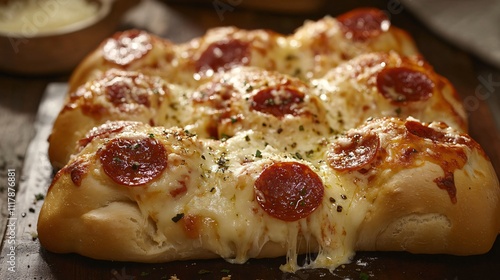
224,137
151,135
258,154
204,271
298,156
189,134
364,276
39,196
222,162
309,153
137,145
135,166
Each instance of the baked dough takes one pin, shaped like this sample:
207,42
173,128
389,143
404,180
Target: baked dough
390,184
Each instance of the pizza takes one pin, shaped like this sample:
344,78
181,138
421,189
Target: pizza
251,144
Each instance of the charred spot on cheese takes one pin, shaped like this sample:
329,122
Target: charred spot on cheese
223,55
279,101
353,151
133,162
125,47
401,85
288,191
363,23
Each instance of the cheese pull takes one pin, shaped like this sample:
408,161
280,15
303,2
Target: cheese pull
152,194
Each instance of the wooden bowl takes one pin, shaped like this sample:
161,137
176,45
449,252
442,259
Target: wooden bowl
48,52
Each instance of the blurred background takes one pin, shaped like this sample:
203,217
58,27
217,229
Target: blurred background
30,36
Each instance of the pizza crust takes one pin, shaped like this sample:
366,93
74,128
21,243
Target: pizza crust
411,214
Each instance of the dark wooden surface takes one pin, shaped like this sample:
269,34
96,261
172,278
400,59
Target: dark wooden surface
20,98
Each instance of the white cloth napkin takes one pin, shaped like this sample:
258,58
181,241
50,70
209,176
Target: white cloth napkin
472,25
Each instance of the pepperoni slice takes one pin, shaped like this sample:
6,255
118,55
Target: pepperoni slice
422,131
123,92
104,130
224,55
289,191
133,162
125,47
278,101
418,129
445,153
216,94
401,84
354,152
77,171
363,23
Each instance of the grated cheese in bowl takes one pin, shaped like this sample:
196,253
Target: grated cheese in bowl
36,17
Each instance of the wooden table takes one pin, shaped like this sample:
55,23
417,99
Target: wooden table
20,97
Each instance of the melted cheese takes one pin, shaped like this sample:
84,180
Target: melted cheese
220,202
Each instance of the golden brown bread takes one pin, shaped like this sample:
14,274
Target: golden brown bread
411,214
418,188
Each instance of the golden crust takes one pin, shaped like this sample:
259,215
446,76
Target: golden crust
411,214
